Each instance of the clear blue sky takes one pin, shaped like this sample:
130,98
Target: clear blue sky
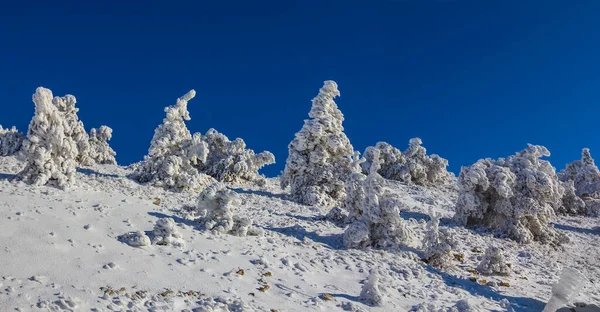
473,79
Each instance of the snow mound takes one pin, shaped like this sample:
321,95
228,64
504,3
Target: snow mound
135,239
370,292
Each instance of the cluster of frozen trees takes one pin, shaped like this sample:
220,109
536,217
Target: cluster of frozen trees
56,142
517,196
181,161
412,166
11,141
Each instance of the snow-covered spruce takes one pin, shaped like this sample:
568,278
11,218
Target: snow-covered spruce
493,262
174,153
135,239
438,244
100,150
517,196
230,161
318,161
216,209
49,149
74,127
413,166
165,232
571,203
584,176
370,293
11,141
379,224
355,192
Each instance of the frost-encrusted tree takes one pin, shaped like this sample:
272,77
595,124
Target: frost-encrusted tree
216,208
411,166
100,150
571,203
355,192
318,161
174,153
74,127
378,224
493,262
370,293
230,161
583,177
49,149
438,244
11,141
516,196
165,232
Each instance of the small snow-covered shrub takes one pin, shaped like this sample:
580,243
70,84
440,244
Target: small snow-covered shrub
49,149
318,161
569,284
516,196
74,127
135,239
370,293
411,166
571,203
100,150
493,262
230,161
11,141
165,232
216,207
174,153
378,223
438,244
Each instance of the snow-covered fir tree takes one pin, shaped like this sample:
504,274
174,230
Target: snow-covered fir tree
411,166
49,148
217,207
230,161
493,262
11,141
438,244
100,150
74,127
318,161
584,177
174,153
517,196
379,224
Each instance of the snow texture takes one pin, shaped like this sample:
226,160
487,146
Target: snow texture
74,127
569,284
49,147
230,161
493,262
438,244
100,150
370,292
413,166
517,196
318,162
11,141
135,239
217,207
174,153
378,223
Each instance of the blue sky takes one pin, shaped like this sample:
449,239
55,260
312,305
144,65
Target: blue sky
473,79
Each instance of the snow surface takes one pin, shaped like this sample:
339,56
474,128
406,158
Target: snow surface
61,251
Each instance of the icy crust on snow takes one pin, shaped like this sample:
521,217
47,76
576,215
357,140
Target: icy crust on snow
582,180
410,166
100,150
318,163
517,196
173,153
376,211
11,141
231,161
49,148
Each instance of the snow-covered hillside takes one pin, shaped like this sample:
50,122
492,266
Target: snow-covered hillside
60,250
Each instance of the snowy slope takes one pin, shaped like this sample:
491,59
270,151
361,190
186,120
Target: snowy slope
59,250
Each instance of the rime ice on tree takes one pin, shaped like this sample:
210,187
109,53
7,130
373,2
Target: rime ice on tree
318,162
410,166
370,292
493,262
516,196
74,127
49,149
584,177
438,244
11,141
100,150
173,152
